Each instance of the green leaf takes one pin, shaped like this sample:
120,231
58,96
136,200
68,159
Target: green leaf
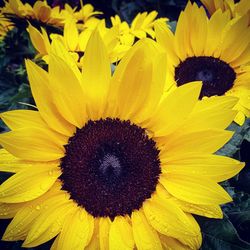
220,234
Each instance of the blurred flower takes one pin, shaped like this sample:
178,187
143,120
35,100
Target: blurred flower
5,26
44,13
214,50
240,8
75,41
141,26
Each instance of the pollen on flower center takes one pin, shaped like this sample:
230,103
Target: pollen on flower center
110,167
216,75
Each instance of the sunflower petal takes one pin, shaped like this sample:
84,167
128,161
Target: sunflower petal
94,243
133,86
170,243
163,121
20,225
41,92
77,231
214,167
210,211
69,101
48,224
96,73
167,218
9,210
104,228
204,141
33,144
144,235
21,187
194,190
16,119
120,234
192,242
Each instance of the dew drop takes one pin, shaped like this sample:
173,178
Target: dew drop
38,207
51,172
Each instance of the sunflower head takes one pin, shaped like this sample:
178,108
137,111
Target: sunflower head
212,54
236,8
107,161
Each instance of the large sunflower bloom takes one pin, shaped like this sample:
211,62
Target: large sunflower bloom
103,164
240,8
214,50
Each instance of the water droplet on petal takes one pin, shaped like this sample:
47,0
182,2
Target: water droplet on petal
38,207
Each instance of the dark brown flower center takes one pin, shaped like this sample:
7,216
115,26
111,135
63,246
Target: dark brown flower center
216,75
110,167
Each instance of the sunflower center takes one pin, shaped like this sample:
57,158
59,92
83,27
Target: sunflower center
110,167
216,75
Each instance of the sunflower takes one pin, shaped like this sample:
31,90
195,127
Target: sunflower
75,41
240,8
103,164
141,26
44,13
210,50
5,26
41,11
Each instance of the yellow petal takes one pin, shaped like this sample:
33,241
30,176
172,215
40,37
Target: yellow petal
9,210
58,49
163,121
210,211
232,45
71,34
96,72
204,141
20,225
33,144
37,40
135,83
69,101
167,218
28,184
41,92
94,243
120,234
194,190
198,32
104,228
165,38
144,235
216,24
170,243
192,242
77,231
214,167
48,224
16,119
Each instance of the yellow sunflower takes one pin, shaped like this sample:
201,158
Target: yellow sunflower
106,162
42,12
75,41
5,26
214,50
240,8
141,26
